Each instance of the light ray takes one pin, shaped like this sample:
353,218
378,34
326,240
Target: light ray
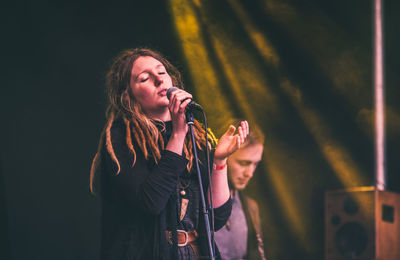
202,73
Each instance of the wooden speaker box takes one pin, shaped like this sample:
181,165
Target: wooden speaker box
362,224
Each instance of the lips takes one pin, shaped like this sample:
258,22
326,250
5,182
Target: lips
163,92
242,181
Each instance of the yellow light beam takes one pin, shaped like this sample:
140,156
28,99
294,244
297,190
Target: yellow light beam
346,69
241,70
201,70
316,33
264,47
336,155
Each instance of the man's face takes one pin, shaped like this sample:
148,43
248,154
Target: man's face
242,164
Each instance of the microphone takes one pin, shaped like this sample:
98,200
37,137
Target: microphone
191,106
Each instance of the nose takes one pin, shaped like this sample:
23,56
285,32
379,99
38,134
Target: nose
158,80
248,172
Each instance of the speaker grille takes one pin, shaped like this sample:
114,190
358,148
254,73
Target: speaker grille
351,239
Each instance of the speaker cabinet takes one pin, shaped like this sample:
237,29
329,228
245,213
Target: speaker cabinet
362,224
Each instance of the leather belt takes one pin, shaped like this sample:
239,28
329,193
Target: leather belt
184,237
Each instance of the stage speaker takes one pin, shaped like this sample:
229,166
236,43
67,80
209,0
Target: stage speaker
362,224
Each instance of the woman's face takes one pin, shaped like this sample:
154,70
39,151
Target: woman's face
149,84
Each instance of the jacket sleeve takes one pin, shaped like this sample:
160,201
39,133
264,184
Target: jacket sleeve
144,184
221,214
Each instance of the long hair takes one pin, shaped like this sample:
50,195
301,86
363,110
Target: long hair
122,104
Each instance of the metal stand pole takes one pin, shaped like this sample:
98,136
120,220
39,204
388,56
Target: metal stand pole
189,119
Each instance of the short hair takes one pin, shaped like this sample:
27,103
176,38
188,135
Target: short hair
256,136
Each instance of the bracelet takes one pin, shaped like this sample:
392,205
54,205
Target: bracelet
218,167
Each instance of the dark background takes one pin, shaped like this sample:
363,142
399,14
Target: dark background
54,58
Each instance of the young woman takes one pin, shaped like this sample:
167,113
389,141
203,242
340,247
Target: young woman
149,189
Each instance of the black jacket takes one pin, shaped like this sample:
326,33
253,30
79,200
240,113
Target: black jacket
139,203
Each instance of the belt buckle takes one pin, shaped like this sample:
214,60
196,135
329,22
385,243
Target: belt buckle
186,237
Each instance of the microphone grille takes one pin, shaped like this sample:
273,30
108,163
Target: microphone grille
170,90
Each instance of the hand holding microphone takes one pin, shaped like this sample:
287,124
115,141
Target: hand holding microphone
190,106
178,101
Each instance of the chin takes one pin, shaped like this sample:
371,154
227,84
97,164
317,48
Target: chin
240,187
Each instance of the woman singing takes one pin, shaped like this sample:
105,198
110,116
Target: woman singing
151,206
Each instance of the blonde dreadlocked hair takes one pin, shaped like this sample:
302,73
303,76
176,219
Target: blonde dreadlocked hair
122,104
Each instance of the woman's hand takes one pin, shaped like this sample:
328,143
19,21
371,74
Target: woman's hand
230,142
227,145
177,105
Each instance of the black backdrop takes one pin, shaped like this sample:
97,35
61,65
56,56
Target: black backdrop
54,57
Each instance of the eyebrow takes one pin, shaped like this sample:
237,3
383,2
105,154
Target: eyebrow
157,67
249,161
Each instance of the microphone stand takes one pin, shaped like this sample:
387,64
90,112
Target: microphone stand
189,120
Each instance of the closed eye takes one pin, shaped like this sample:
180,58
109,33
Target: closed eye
244,163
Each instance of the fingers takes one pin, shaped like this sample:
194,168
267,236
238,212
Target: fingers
179,100
183,105
231,130
243,131
241,134
245,126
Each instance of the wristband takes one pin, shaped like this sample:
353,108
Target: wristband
219,167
